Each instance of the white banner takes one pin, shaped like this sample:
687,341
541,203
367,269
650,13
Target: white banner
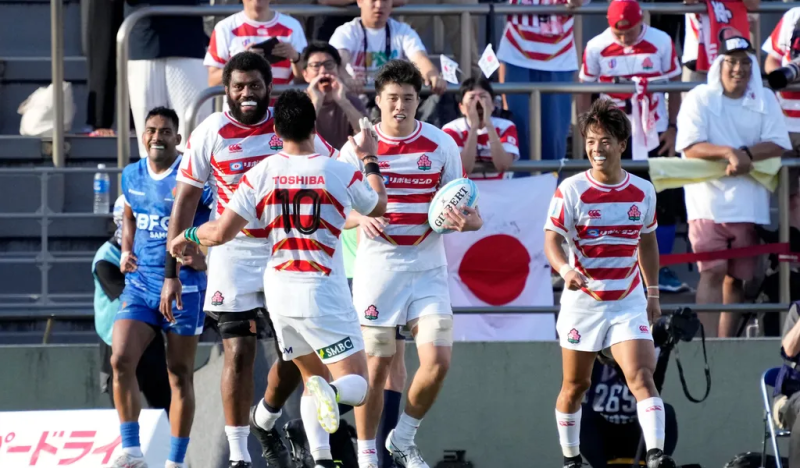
76,438
504,264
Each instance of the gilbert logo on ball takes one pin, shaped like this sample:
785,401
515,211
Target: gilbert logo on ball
424,163
371,313
217,299
457,193
634,214
275,143
574,337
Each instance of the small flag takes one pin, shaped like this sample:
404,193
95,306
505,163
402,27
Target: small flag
488,61
449,68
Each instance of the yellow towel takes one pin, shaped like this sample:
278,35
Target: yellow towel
667,173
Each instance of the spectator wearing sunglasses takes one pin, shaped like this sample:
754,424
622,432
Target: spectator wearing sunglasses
338,111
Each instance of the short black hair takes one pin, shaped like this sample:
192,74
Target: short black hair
399,72
165,112
246,62
295,116
472,83
323,47
606,115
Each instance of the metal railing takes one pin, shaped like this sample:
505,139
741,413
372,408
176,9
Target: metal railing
46,307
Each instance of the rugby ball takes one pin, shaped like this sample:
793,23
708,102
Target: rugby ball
457,193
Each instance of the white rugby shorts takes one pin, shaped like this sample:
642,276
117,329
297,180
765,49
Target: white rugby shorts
385,298
331,337
235,278
594,331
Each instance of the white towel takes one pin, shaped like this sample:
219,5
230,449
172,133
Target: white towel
753,95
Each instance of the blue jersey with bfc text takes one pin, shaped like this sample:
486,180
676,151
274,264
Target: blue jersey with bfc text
150,197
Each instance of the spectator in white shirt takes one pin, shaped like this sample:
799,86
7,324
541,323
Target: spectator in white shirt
368,42
481,137
735,120
279,38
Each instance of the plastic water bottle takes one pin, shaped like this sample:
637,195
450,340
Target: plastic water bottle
102,191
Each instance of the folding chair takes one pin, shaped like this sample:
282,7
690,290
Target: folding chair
770,431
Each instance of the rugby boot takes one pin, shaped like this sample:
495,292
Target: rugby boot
574,462
327,406
656,458
408,457
272,447
239,464
127,460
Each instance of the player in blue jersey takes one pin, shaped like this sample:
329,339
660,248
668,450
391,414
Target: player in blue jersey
149,189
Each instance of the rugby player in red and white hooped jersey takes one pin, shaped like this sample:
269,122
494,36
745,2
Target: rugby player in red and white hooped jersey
400,268
608,219
246,30
220,151
480,136
779,49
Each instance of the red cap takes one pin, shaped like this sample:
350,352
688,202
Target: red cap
624,14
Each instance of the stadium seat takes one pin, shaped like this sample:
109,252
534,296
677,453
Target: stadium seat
770,430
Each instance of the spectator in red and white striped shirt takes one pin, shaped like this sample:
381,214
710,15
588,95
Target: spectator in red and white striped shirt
251,29
540,48
480,136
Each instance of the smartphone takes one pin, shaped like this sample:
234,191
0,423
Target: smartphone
267,47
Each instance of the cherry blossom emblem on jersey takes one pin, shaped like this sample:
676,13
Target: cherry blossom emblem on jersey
574,337
424,163
371,313
634,214
275,143
217,299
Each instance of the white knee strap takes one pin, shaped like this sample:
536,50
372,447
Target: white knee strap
379,341
436,329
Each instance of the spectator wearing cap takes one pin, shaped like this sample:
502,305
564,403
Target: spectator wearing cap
368,42
734,120
257,28
338,111
632,50
481,137
540,48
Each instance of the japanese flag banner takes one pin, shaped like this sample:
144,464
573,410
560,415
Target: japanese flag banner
721,14
76,438
503,264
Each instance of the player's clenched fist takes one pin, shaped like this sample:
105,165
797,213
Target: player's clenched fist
574,281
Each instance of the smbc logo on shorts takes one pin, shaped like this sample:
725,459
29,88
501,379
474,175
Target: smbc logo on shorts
335,349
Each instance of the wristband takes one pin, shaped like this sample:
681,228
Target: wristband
652,287
565,268
372,168
191,235
170,267
653,297
124,255
747,150
370,158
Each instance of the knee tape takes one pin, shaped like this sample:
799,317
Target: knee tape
240,324
379,341
436,329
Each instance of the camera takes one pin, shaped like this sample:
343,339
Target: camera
784,76
672,327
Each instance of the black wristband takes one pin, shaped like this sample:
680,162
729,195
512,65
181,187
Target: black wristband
370,158
170,267
372,168
747,150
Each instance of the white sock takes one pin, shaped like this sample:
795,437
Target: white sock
134,451
569,432
652,418
350,389
264,419
318,440
237,442
405,431
367,453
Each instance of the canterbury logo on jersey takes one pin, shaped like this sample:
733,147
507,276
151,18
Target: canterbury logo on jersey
149,222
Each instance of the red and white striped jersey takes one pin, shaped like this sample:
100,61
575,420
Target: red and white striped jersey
779,45
539,42
602,225
304,201
506,130
221,150
413,168
653,55
233,34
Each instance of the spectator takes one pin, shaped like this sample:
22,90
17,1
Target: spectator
105,18
480,136
787,386
540,48
735,120
109,281
630,48
329,23
166,64
609,428
367,43
338,111
255,28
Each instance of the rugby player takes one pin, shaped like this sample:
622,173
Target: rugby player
149,187
400,268
607,217
220,151
303,199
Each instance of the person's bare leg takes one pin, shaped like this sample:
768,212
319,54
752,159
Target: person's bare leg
732,293
577,378
434,362
709,291
129,340
237,393
181,352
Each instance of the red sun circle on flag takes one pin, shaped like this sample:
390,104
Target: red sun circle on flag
495,269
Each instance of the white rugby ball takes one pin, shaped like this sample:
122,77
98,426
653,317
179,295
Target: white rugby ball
457,193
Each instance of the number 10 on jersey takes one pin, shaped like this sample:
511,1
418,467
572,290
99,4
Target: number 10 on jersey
306,224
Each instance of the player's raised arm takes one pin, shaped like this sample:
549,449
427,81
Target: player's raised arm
366,153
